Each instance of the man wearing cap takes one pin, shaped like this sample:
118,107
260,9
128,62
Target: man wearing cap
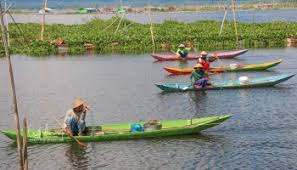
74,121
182,51
198,74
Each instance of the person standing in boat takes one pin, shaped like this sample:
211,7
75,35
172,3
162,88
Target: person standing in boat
183,51
74,121
199,75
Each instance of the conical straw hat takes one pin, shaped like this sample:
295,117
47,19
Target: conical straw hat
77,102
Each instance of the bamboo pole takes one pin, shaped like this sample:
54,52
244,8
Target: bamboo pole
152,28
122,17
6,22
121,3
111,23
119,23
234,20
223,21
14,99
25,153
43,20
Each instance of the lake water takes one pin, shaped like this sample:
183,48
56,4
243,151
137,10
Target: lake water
58,4
249,16
262,134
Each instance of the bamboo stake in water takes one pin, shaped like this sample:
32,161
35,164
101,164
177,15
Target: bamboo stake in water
25,154
123,15
43,20
14,99
6,22
151,28
234,19
222,25
111,23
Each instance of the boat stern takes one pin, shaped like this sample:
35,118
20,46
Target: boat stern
284,77
9,133
212,121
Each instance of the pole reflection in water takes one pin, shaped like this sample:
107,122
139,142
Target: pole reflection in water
77,156
199,101
183,64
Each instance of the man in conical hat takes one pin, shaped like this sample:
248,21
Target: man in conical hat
198,75
183,51
74,121
205,59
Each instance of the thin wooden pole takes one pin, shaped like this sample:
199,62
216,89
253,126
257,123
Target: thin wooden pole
121,3
43,20
6,22
152,28
119,23
223,21
25,153
14,99
234,19
111,23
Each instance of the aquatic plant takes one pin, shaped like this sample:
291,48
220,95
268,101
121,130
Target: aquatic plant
131,37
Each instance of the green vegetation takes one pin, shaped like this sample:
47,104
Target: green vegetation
136,38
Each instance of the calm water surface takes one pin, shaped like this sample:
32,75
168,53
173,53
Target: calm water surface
257,16
36,4
261,134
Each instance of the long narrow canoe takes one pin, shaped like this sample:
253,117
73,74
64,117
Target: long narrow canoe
121,131
241,67
228,84
222,55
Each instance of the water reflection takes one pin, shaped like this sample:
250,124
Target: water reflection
199,102
183,64
77,156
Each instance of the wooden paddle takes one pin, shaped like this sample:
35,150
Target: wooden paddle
67,132
173,52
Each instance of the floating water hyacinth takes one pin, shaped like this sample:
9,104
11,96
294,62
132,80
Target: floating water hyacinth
134,37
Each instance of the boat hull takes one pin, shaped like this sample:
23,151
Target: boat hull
121,131
241,68
230,84
221,55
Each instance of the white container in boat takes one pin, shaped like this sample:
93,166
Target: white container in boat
243,80
233,66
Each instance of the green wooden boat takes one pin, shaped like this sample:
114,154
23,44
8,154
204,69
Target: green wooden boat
121,131
238,68
227,84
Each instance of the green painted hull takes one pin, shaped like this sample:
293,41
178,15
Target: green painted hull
121,131
240,68
227,84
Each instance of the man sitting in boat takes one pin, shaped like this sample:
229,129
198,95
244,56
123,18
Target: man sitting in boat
200,77
205,60
182,51
74,122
